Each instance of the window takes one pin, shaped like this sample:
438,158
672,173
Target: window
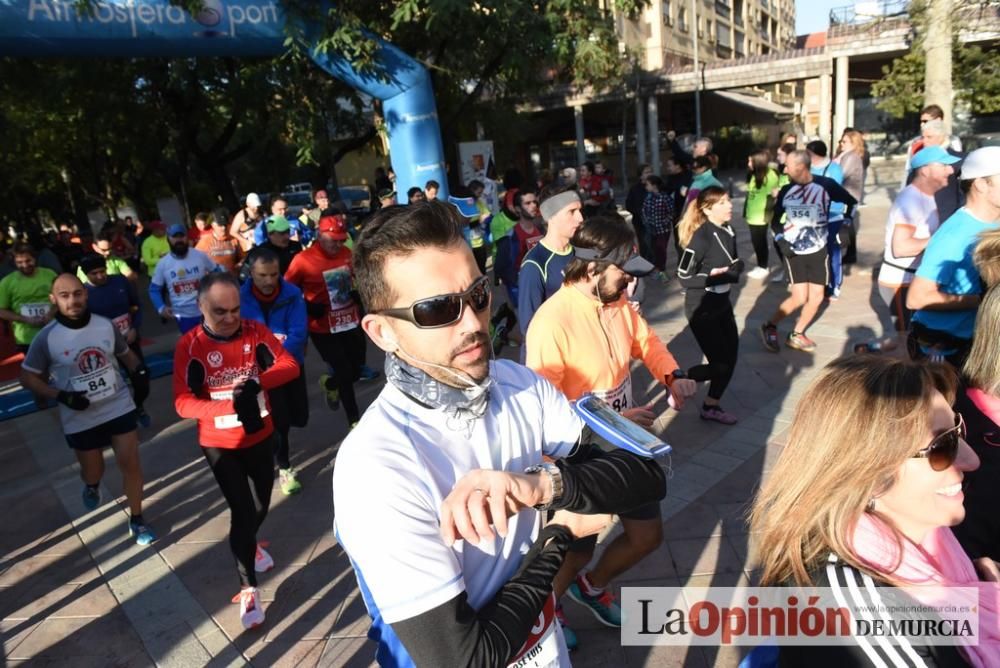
682,20
667,14
722,8
722,34
738,12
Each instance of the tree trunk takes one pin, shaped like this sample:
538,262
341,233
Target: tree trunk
937,54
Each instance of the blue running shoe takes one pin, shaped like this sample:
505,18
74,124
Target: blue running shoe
603,607
91,497
368,373
144,419
141,531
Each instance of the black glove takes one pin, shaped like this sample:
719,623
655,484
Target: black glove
246,407
316,309
265,358
78,401
140,384
195,376
785,247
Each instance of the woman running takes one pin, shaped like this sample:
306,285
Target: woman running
709,265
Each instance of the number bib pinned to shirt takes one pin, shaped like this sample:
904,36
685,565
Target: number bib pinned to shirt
123,323
98,385
36,310
343,311
619,398
541,649
804,214
233,421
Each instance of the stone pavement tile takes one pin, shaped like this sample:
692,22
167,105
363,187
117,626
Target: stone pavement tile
13,633
663,656
85,641
76,567
17,546
44,601
348,653
308,606
697,520
657,567
302,653
733,517
699,556
724,657
742,544
716,460
599,648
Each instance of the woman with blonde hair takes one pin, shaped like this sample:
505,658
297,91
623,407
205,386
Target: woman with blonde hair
979,403
709,265
850,157
864,496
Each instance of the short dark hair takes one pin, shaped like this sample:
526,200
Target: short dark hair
703,161
25,249
106,234
476,183
413,191
262,254
400,231
655,180
603,233
432,184
589,164
214,278
934,111
527,190
202,216
643,167
817,147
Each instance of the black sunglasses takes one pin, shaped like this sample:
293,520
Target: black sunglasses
943,450
444,310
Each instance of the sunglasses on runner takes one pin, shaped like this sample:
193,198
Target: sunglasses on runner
444,310
943,450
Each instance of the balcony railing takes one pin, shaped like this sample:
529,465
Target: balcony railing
869,11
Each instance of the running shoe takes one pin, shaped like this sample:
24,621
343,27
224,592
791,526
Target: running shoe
799,341
758,273
779,276
717,414
602,606
368,373
332,396
91,496
143,417
141,531
251,614
572,642
769,335
289,481
262,561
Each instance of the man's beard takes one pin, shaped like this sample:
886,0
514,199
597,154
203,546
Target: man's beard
476,338
180,250
606,294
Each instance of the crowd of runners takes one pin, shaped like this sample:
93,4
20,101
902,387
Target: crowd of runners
487,491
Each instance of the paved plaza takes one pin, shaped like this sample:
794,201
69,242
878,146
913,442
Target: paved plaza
75,591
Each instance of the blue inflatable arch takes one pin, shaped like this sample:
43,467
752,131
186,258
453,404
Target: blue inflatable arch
137,28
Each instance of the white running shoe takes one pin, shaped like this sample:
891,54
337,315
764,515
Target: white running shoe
779,276
758,273
251,614
262,561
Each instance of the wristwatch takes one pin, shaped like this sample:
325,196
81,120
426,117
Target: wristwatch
677,373
555,477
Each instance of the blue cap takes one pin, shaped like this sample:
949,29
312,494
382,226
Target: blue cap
465,205
177,230
929,154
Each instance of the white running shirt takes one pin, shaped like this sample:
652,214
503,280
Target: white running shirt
917,210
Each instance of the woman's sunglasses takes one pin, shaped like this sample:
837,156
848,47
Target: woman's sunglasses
943,450
444,310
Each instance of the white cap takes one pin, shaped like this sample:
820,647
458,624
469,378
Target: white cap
253,199
981,162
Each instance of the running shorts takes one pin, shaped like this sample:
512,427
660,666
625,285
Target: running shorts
100,436
813,268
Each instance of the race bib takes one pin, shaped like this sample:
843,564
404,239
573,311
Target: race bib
233,421
186,287
123,323
38,310
343,319
803,214
541,649
619,398
98,385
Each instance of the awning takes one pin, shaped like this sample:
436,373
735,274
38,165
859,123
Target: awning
756,103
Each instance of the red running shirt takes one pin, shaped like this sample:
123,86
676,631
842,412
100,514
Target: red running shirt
223,363
326,280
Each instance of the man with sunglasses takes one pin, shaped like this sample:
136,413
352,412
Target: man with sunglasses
323,272
583,340
453,447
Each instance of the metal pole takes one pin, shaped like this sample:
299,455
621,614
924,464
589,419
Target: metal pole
697,72
581,148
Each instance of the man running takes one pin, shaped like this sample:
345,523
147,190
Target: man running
246,221
582,340
821,165
297,230
220,246
946,289
913,218
273,301
541,272
154,247
115,297
78,353
223,370
24,296
180,272
280,242
323,272
114,265
803,243
452,445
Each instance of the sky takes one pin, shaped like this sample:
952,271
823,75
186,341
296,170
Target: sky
814,15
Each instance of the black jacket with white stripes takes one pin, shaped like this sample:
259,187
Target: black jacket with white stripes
711,247
857,588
